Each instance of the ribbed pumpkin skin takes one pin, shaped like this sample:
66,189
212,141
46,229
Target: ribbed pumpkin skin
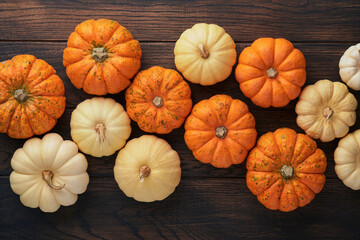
211,114
170,87
113,72
264,164
256,60
44,103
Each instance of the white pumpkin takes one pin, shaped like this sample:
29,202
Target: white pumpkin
347,160
48,172
326,110
205,54
147,169
349,66
100,126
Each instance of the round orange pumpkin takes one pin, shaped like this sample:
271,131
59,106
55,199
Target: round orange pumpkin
220,131
285,170
101,57
271,72
158,100
31,97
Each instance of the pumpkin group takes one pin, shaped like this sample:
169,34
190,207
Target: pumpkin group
48,172
158,100
220,131
31,97
271,72
326,110
285,170
205,54
101,57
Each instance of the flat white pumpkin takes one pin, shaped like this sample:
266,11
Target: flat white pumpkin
326,110
349,67
100,126
147,169
347,160
48,172
205,54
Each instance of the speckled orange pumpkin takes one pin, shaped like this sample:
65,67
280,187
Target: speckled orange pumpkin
220,131
101,57
31,97
158,100
285,170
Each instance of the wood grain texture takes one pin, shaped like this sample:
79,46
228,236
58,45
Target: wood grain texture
300,21
210,208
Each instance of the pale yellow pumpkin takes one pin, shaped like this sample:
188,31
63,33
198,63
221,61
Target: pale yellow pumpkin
349,67
147,169
347,160
48,172
205,54
326,110
100,126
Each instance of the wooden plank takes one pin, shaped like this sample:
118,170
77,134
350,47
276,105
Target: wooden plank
301,21
198,209
161,54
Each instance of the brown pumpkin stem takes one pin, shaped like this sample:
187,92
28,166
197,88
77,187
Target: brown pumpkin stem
47,175
144,172
100,130
327,113
158,102
204,53
221,132
99,54
271,72
287,171
20,95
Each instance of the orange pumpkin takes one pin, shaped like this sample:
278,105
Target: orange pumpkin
271,72
285,170
101,57
158,100
220,131
31,96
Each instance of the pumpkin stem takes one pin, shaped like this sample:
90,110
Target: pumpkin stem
271,72
99,54
287,171
204,53
327,113
20,95
144,172
47,175
100,130
221,132
158,102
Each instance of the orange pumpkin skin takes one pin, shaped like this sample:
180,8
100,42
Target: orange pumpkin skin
101,57
31,97
158,100
271,72
285,170
220,131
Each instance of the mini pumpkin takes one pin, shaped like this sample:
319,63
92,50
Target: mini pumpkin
285,170
31,97
158,100
205,54
326,110
349,66
220,131
271,72
347,160
147,169
100,126
48,172
101,57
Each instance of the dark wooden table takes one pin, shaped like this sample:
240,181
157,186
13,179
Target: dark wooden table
209,203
